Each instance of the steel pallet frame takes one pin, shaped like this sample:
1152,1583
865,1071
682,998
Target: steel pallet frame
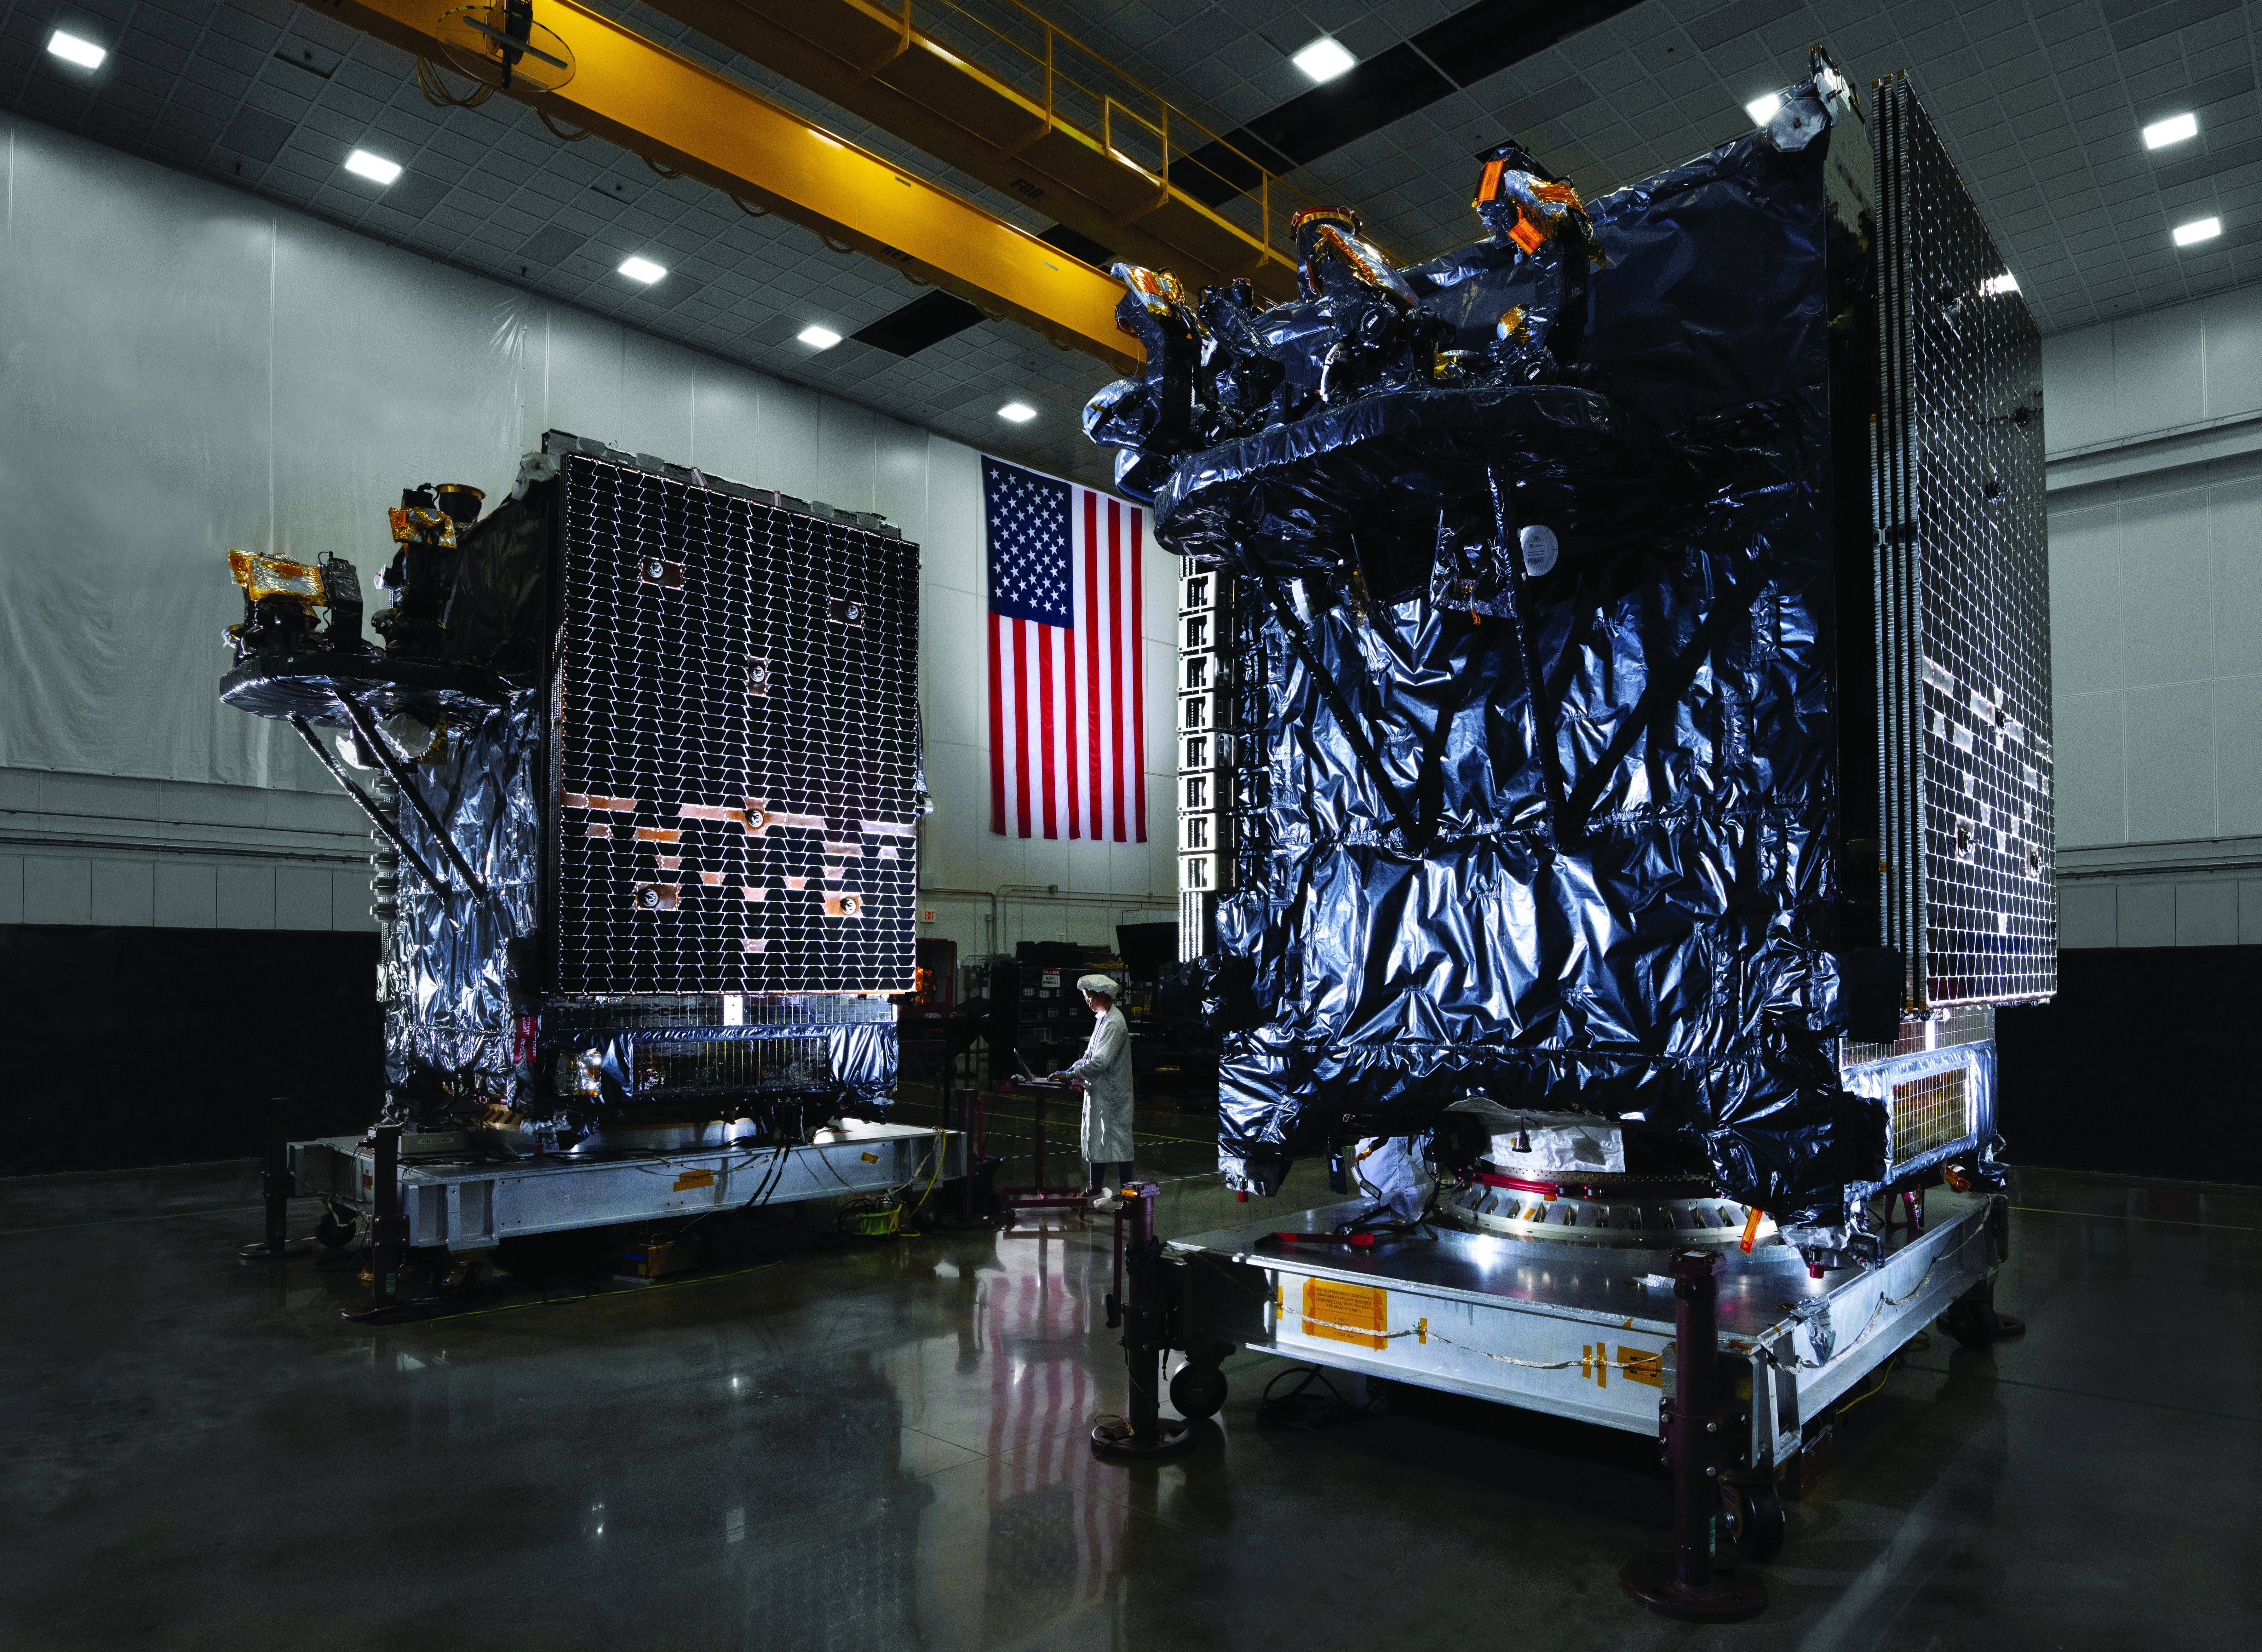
1572,1330
464,1205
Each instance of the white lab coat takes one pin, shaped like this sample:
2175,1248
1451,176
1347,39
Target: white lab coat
1106,1069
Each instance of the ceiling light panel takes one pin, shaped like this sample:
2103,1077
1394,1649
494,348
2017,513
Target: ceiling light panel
375,168
644,270
1324,59
817,338
1017,413
1762,110
2174,129
2198,230
72,49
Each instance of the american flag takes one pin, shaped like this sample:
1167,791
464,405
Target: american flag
1068,745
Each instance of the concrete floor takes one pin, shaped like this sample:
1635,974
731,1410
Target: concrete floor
883,1447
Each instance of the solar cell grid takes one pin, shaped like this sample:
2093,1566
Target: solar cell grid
743,679
1963,607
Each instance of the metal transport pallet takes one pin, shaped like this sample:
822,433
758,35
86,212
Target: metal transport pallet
455,1201
1577,1330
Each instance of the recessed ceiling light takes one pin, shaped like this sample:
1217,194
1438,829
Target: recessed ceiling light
817,338
71,49
375,168
1017,412
1995,286
2198,229
1762,110
643,269
1323,59
2174,129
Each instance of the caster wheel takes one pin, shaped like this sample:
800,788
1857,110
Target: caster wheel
335,1232
1756,1519
1198,1390
1973,1323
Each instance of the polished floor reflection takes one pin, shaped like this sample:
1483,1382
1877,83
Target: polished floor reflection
881,1445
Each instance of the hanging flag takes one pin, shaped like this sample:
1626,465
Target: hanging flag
1067,744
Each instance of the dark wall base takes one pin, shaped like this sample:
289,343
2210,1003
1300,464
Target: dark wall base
130,1047
2144,1062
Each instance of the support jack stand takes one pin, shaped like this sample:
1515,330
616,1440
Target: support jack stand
1143,1434
276,1187
1687,1583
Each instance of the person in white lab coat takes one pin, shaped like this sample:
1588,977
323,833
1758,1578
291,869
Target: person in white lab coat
1104,1070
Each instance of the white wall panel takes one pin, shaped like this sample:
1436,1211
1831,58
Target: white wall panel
2084,561
844,442
726,424
124,893
2158,383
787,458
187,896
12,889
2232,324
246,897
2235,572
2238,756
899,477
2148,915
2170,763
2206,913
350,898
302,897
2163,597
657,396
953,545
2087,915
58,889
2093,798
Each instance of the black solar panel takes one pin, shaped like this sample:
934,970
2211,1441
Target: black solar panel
1963,590
736,742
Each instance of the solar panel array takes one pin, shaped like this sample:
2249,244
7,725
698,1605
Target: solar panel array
1962,590
736,741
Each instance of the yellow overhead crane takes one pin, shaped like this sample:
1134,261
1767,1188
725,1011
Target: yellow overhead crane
1076,137
689,119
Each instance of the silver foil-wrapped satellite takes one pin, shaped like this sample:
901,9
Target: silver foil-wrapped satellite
641,749
1615,668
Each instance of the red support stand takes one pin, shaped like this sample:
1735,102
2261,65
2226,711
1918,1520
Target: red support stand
1142,1433
1037,1198
1689,1583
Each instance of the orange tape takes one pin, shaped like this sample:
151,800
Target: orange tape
1751,1231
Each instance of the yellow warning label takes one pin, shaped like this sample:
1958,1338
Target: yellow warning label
869,1158
1346,1313
1641,1366
695,1179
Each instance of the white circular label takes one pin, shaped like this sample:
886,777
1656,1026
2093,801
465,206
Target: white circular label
1539,549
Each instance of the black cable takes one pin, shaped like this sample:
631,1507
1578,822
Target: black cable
1305,1412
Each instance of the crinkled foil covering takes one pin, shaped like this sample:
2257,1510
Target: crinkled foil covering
448,1024
1526,910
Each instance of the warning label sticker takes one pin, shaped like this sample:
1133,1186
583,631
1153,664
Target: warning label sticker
1356,1314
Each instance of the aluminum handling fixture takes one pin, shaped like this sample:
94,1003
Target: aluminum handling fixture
1616,773
639,748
